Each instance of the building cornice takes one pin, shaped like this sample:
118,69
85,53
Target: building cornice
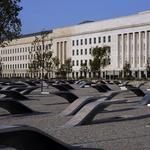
104,30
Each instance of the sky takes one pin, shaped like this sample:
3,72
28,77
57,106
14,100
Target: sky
38,15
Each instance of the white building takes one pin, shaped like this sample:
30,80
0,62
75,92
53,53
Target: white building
128,37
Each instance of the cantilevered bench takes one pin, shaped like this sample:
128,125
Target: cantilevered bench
29,138
14,95
15,107
135,90
89,111
70,97
24,90
99,88
28,90
145,100
67,86
75,106
59,87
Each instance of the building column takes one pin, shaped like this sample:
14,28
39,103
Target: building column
121,51
61,52
65,50
146,46
133,50
118,48
58,49
140,43
128,48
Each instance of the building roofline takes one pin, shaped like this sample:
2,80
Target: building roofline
107,19
34,34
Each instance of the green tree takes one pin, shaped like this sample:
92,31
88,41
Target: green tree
62,71
65,69
1,69
10,24
126,69
84,69
33,69
101,58
68,67
148,67
41,56
55,65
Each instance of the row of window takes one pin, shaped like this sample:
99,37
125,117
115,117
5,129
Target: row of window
15,75
94,40
81,51
15,66
76,63
25,49
16,58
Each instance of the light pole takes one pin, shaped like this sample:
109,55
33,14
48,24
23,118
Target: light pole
13,74
43,55
1,68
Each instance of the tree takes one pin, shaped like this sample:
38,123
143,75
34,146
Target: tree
126,69
84,69
55,65
41,54
68,66
62,71
148,67
65,68
10,24
101,58
1,69
33,69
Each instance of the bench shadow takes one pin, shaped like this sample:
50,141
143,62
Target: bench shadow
118,110
79,148
119,119
57,103
8,115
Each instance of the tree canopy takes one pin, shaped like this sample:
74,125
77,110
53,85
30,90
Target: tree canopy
100,58
42,54
10,24
126,69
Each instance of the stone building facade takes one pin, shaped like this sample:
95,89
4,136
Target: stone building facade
128,38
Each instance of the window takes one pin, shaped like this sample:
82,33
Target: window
85,41
81,62
77,63
85,62
77,42
90,62
73,52
73,63
85,51
73,43
90,51
95,40
99,39
81,41
104,39
109,38
81,51
90,41
77,52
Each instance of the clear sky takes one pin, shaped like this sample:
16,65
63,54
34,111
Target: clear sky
49,14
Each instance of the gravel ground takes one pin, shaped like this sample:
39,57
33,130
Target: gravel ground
120,126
